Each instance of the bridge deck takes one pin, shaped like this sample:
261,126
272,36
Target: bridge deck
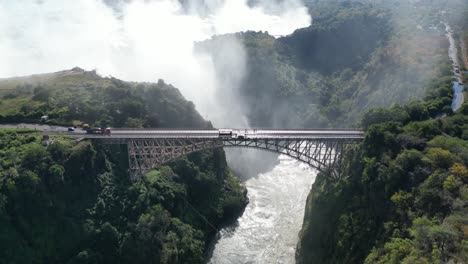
150,148
214,134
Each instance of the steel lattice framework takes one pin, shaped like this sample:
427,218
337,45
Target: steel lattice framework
145,154
150,148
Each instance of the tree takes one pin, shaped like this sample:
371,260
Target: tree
381,115
421,232
13,156
28,182
107,243
145,242
55,175
41,94
459,171
34,157
59,150
441,158
451,184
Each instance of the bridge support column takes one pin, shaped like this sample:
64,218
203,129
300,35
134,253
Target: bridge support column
147,154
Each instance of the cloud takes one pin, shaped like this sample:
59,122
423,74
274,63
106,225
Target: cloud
139,40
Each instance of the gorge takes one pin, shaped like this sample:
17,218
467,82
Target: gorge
380,66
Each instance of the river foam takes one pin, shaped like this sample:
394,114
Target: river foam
268,230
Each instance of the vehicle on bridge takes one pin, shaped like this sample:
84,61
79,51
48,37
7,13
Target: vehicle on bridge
99,130
225,133
230,133
94,130
152,147
239,135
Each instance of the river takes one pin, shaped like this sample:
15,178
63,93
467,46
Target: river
458,97
268,230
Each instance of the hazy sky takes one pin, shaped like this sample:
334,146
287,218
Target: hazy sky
138,41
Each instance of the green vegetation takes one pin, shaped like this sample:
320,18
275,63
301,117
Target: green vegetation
76,97
398,200
72,202
353,57
300,74
404,196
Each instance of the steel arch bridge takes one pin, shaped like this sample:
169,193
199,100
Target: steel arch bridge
150,148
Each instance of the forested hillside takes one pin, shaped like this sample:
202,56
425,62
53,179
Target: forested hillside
77,96
353,57
404,192
72,202
403,195
294,73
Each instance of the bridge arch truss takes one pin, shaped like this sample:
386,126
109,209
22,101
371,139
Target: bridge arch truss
145,154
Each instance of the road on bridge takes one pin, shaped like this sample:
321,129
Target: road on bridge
123,133
150,148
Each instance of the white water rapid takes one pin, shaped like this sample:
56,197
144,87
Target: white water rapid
268,230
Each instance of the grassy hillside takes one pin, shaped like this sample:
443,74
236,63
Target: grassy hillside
76,96
72,202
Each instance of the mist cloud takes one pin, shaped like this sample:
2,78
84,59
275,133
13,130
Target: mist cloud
139,40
